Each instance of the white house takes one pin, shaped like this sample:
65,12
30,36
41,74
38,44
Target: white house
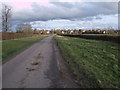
48,32
71,32
104,32
63,32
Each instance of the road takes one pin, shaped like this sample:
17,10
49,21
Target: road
39,66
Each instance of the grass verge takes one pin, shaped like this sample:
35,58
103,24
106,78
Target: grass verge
93,63
11,48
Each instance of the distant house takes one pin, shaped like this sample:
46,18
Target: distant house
63,32
71,32
48,32
104,32
83,31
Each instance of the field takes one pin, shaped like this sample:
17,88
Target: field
92,63
12,47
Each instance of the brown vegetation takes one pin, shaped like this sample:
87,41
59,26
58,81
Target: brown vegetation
13,35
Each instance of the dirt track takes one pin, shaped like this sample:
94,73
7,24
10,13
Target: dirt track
40,66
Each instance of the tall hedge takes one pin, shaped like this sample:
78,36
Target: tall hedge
13,35
111,38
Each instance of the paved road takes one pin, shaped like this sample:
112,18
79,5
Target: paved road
40,66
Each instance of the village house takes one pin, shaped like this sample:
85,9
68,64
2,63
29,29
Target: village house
48,32
104,32
71,32
63,32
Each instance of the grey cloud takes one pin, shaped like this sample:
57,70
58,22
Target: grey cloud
66,10
64,4
102,23
98,17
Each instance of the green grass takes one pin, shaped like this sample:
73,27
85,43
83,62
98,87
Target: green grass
93,63
13,47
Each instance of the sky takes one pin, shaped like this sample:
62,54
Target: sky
65,14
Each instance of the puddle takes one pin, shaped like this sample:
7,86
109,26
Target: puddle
35,63
30,69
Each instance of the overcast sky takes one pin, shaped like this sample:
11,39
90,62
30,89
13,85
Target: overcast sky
61,14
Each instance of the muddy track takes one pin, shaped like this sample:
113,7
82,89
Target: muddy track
40,66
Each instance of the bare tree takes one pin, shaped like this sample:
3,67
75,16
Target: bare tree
0,16
6,14
19,28
24,28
